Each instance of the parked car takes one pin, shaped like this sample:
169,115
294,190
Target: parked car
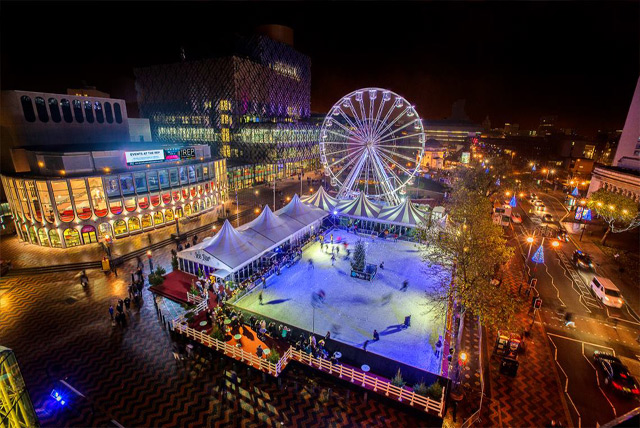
515,217
607,292
616,373
582,259
548,218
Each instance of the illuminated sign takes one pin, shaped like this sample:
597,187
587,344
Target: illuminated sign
144,156
181,153
466,156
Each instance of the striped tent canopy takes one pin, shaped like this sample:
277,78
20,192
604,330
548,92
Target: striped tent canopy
404,214
360,207
299,212
268,225
321,199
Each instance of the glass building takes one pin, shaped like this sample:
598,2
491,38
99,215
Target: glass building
124,193
16,409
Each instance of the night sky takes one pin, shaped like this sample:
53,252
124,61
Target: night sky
512,61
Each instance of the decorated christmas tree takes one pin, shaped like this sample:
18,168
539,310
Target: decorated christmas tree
359,256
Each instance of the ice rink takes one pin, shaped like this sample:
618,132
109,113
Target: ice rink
353,308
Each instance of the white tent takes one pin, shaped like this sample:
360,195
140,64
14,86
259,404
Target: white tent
227,250
404,214
359,207
301,213
322,200
268,226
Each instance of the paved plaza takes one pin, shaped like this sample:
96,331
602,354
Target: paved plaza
353,308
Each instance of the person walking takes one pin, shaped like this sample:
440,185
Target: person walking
568,320
111,311
333,259
438,347
376,335
260,297
405,285
311,264
84,279
407,321
127,302
195,239
382,265
259,351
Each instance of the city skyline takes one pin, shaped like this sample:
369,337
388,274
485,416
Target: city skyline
514,63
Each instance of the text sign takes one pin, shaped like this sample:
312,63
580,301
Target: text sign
144,156
200,255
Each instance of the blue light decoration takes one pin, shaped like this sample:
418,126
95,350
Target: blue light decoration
486,171
56,396
538,257
533,168
575,192
586,214
579,213
513,202
498,181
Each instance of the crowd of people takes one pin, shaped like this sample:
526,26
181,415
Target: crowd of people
119,316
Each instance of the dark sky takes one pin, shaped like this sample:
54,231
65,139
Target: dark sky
513,61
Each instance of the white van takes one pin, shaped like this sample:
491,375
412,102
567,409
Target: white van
608,293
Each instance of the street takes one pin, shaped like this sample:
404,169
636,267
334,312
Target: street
564,288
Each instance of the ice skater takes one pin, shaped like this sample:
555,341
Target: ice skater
438,350
376,335
407,321
333,259
382,265
260,297
405,285
386,299
311,264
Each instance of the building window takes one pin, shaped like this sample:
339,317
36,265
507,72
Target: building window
118,114
134,224
104,229
143,202
47,206
168,215
81,198
152,179
176,195
155,200
141,182
183,175
41,108
89,234
185,193
66,110
77,111
72,238
44,238
97,196
166,198
55,111
179,213
173,176
115,206
107,112
99,115
126,183
54,238
32,197
111,186
193,191
163,178
192,174
147,221
33,236
158,218
63,200
120,227
88,111
27,109
196,207
130,204
187,209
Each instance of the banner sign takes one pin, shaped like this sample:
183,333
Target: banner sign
144,156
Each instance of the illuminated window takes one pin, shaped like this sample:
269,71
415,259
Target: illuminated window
158,218
173,177
99,114
168,215
88,111
54,238
66,111
163,178
32,195
120,227
115,206
152,179
55,112
176,195
147,221
166,198
155,200
143,202
97,196
44,238
185,193
179,213
77,111
45,199
140,181
130,204
72,238
126,183
134,224
104,229
63,200
33,236
81,198
27,109
187,209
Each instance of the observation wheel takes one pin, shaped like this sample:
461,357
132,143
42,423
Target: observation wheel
372,141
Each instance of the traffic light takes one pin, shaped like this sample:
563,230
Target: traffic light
537,304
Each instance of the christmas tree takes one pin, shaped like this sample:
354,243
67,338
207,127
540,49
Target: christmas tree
358,257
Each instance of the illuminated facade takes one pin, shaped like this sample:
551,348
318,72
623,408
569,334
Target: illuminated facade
252,107
78,209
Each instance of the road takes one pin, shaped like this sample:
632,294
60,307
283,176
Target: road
565,288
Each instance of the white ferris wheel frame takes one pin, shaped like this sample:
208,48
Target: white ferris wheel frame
369,142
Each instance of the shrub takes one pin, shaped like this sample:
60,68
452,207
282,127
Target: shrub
216,333
157,277
194,290
273,357
421,389
189,315
435,391
397,380
174,263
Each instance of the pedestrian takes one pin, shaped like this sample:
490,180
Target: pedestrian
127,302
195,239
327,336
333,259
438,347
260,297
111,311
405,285
130,290
382,265
407,321
332,239
259,351
84,279
311,264
376,335
568,319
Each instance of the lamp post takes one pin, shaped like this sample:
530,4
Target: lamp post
150,261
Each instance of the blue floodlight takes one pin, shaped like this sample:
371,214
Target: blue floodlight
586,214
335,212
575,192
56,395
513,202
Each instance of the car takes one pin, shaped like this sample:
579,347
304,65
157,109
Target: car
562,235
607,292
582,259
534,196
616,373
548,218
515,217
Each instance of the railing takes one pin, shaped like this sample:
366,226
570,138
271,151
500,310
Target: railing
194,298
232,351
371,381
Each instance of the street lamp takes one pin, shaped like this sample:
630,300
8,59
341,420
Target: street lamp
150,261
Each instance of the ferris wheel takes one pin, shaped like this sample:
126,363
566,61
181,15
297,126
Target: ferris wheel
372,141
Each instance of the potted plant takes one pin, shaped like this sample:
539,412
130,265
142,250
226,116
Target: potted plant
435,391
397,380
273,357
421,389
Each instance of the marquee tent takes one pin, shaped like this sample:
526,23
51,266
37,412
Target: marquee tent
360,207
322,200
301,213
404,214
270,227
